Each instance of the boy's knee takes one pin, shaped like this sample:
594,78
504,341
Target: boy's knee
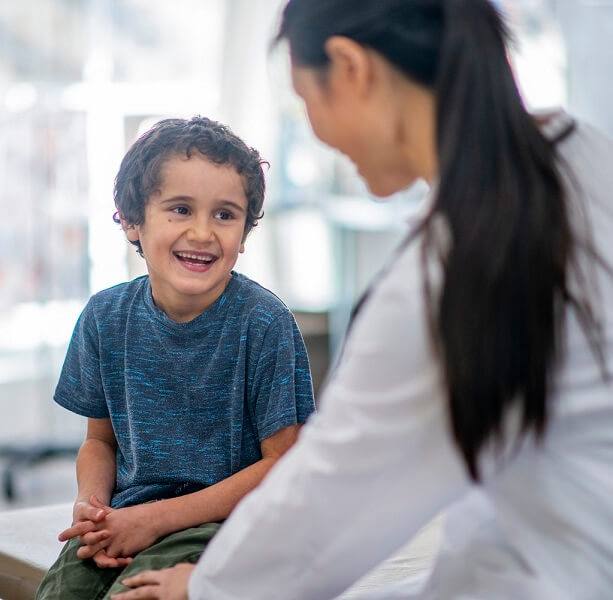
71,578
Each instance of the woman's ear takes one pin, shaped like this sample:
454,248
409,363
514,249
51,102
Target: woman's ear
350,63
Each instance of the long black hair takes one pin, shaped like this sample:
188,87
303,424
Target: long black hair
498,321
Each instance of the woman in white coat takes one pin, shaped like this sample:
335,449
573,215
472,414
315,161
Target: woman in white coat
475,375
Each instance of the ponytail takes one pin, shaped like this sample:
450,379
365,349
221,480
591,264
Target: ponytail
501,307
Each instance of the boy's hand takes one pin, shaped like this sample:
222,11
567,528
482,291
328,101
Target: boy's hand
87,517
122,533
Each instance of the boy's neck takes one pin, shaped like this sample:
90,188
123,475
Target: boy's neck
182,309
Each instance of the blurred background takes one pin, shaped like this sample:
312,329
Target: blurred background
81,79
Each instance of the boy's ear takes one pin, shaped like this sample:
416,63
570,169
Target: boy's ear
241,250
131,231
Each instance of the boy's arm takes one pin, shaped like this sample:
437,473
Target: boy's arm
96,463
216,502
96,472
134,528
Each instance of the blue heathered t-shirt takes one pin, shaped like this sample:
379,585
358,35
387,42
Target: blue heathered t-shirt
189,402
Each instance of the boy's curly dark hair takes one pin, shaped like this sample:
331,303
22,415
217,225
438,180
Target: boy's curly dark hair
140,170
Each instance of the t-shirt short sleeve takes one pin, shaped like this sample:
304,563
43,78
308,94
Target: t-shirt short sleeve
281,392
80,388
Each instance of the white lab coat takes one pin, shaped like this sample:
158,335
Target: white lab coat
378,462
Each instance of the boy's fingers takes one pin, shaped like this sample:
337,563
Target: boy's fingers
80,528
106,562
93,513
113,550
97,504
96,514
88,512
85,552
90,551
94,537
103,561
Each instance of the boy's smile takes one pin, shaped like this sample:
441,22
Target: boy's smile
192,234
196,261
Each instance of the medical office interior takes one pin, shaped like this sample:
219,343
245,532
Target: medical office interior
81,79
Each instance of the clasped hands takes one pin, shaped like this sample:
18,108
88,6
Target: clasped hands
111,537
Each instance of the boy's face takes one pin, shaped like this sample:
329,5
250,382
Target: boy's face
192,234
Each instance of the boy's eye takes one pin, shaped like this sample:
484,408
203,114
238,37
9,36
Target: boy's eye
224,215
181,210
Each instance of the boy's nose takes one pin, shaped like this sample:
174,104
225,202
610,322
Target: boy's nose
200,230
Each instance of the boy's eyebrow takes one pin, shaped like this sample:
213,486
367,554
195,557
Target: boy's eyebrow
172,199
234,205
223,202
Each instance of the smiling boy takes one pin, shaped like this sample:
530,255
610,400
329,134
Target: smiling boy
194,379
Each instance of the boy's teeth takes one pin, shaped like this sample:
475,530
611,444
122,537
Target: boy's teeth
205,259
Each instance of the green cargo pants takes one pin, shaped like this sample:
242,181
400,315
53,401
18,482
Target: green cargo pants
71,578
